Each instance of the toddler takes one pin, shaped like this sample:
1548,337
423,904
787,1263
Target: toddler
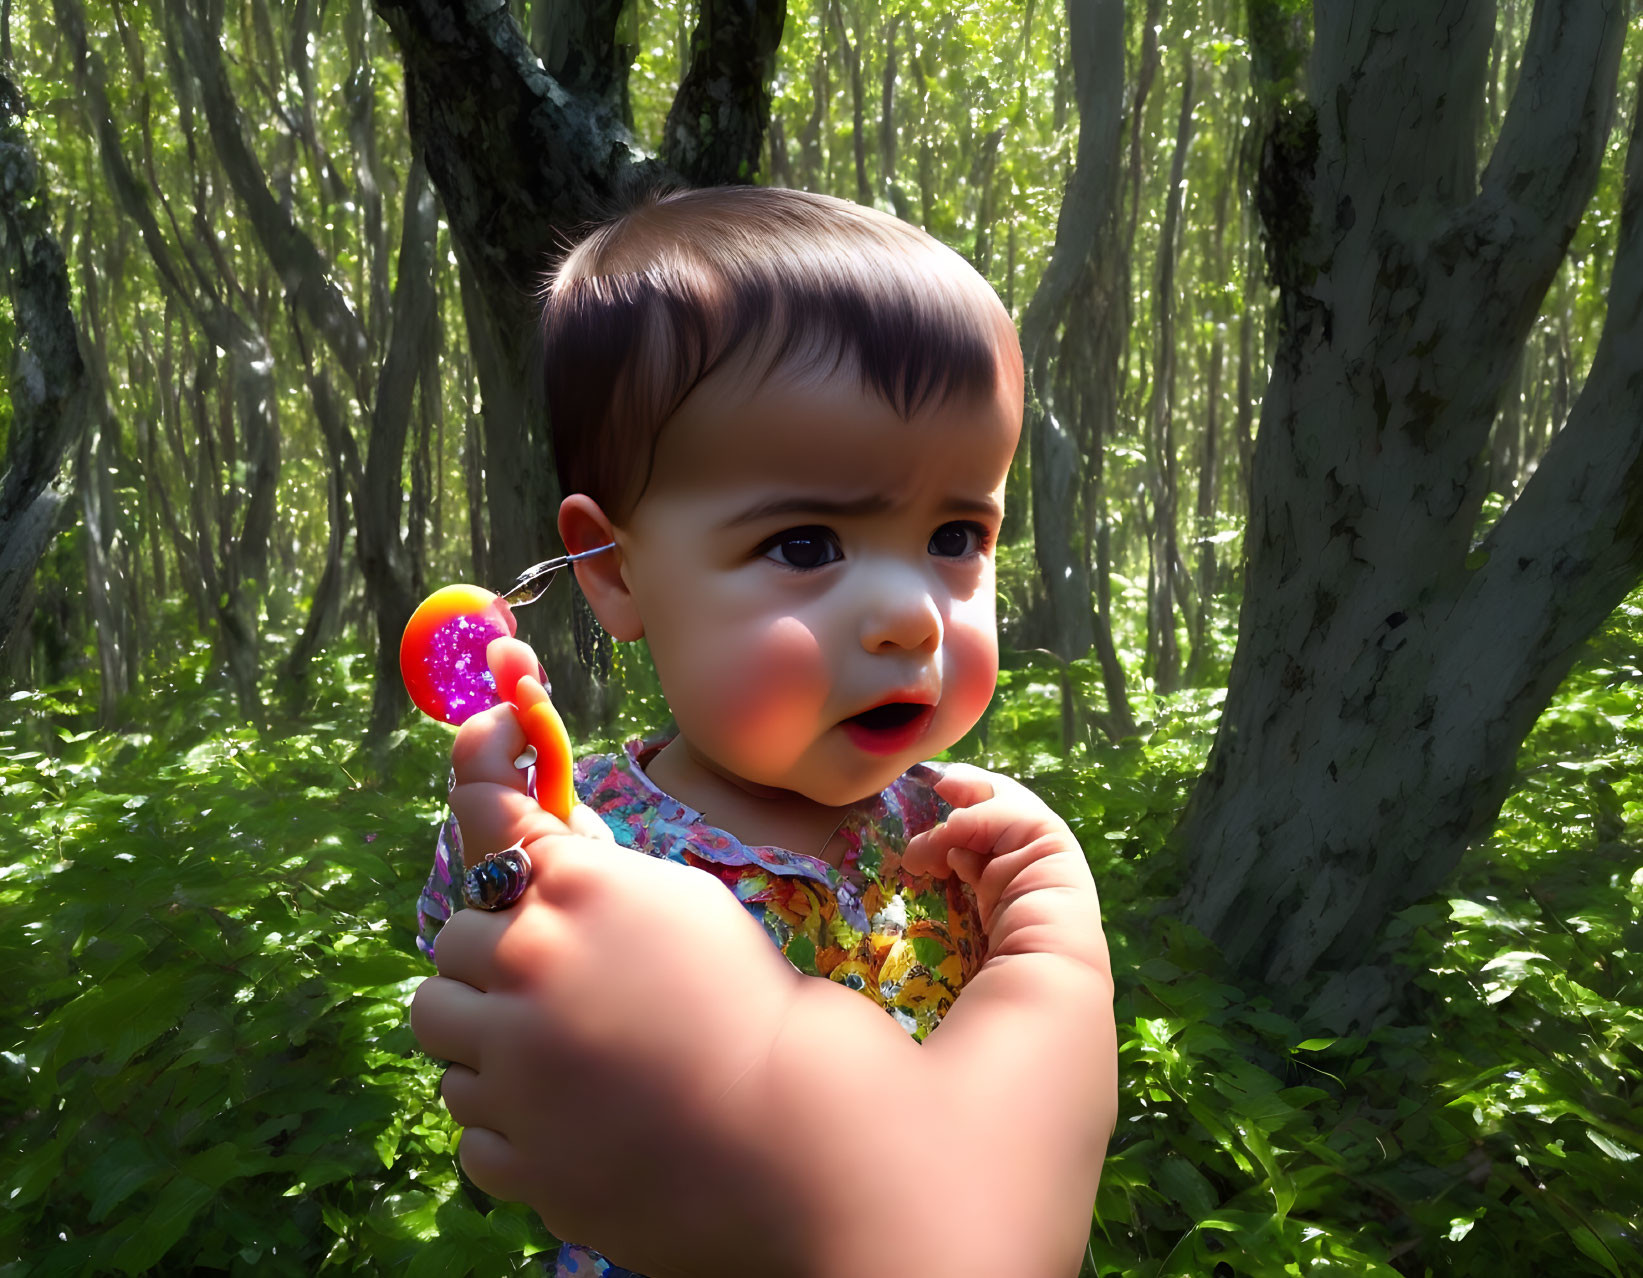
792,417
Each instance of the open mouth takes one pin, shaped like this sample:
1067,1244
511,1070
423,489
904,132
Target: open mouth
888,728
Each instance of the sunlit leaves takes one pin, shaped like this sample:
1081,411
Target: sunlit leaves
207,1065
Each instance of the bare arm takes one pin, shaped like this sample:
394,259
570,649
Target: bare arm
1026,1061
576,1028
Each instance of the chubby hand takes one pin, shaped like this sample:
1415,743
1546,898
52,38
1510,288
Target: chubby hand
488,793
610,1032
1032,884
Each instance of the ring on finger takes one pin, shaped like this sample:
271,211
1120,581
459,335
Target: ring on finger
499,880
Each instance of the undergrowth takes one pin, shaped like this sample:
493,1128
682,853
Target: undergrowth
207,939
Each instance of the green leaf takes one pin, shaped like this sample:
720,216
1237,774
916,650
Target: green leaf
121,1170
149,1236
1592,1246
1186,1185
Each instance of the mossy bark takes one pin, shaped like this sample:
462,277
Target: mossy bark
49,383
1388,664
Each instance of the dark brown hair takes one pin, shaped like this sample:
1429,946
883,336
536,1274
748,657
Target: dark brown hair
651,302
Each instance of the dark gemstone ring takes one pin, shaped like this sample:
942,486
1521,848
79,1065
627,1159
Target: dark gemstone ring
499,880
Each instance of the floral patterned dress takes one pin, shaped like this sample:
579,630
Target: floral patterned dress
908,943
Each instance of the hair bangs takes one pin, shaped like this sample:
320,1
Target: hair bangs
759,280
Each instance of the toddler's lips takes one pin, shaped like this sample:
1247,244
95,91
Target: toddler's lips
889,728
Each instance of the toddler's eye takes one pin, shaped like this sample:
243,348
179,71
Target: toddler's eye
958,539
803,548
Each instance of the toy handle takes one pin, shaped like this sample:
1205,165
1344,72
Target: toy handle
444,660
545,731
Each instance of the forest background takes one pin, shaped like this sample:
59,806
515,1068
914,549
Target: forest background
1317,592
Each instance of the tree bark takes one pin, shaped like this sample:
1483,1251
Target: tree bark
1163,649
1084,232
810,136
50,386
1387,670
716,126
1208,476
390,571
577,42
858,121
521,161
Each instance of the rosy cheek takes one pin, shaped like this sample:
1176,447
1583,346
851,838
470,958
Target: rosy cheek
774,680
970,666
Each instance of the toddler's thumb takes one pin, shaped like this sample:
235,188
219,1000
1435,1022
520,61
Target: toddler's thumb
511,660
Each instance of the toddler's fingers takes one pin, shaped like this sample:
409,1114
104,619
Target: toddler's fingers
447,1015
466,951
963,785
494,815
944,850
978,828
923,855
486,747
492,1162
510,661
545,730
471,1103
967,865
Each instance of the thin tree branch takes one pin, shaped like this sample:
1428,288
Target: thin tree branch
303,272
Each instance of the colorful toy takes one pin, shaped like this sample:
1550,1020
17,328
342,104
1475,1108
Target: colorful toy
442,656
442,660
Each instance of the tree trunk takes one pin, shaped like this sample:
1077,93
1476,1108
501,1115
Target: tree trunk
105,581
926,154
1084,232
887,128
1208,475
520,170
858,121
1242,434
99,470
983,178
810,136
1387,669
50,387
1145,73
716,126
577,42
390,572
326,606
1163,650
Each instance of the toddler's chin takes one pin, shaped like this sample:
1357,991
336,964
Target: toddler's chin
867,782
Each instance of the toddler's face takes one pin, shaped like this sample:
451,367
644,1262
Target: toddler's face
815,577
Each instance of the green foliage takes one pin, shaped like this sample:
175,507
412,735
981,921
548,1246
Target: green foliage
1494,1126
206,933
208,937
208,944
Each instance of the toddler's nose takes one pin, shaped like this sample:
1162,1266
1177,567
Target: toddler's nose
900,612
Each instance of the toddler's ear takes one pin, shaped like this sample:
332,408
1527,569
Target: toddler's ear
584,526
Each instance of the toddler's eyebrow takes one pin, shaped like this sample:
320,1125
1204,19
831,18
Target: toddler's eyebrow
871,504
